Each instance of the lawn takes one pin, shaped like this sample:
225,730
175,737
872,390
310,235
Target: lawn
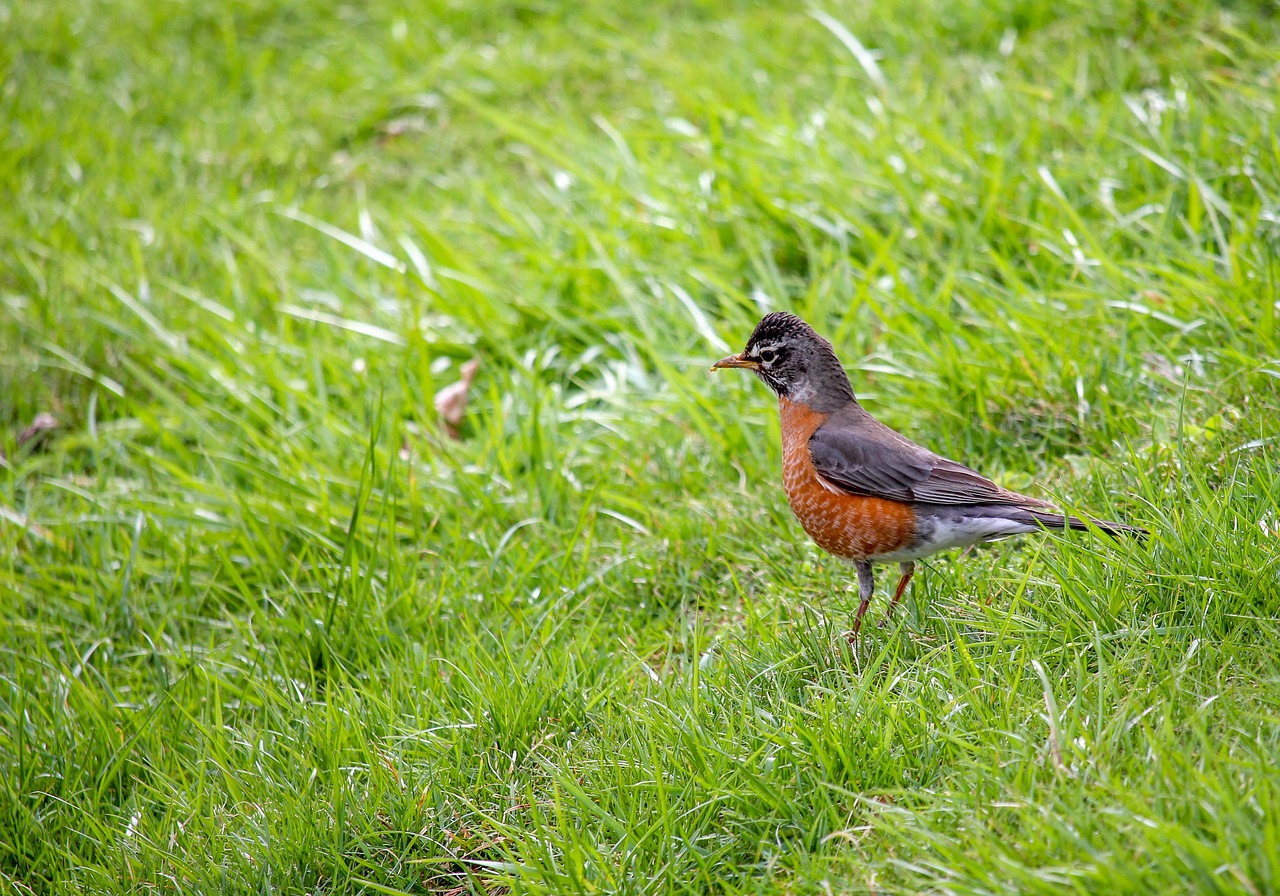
267,627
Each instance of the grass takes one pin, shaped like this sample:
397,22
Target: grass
266,629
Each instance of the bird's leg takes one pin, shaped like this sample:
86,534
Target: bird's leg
908,570
866,588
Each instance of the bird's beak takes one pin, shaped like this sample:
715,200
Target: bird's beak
737,360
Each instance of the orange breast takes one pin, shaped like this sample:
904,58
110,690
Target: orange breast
850,526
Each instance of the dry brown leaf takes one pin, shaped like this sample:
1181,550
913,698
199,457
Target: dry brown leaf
43,423
451,401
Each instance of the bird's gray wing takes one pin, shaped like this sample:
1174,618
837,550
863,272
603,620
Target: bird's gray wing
863,457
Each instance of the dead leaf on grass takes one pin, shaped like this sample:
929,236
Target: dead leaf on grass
451,401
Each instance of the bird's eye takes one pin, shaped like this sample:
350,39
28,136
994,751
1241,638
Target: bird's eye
768,355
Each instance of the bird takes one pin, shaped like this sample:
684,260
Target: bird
862,491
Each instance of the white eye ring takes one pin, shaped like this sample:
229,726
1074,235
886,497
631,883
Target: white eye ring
768,356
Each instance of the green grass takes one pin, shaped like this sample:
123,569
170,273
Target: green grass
265,629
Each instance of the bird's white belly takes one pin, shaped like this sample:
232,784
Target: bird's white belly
937,534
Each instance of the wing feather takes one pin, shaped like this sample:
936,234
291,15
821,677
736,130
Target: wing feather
864,457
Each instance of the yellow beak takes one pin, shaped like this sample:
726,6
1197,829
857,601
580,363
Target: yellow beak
736,361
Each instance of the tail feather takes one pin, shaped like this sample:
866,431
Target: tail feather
1026,516
1115,530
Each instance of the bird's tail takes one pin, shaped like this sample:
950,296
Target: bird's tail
1115,530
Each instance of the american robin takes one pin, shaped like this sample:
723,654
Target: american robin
862,491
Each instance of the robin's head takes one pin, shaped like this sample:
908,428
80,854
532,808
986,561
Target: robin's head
793,361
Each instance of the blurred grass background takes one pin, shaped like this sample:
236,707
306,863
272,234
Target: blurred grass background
266,629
